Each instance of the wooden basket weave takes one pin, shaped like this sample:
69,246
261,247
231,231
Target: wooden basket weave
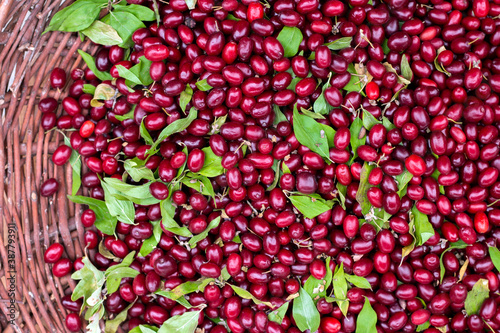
26,59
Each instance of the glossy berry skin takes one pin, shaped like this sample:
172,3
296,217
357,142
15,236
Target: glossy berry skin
73,322
49,187
159,190
330,324
88,218
61,155
87,129
481,223
442,129
255,11
195,160
372,90
415,165
58,78
62,267
53,253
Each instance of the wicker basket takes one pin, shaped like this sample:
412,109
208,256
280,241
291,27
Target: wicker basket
26,59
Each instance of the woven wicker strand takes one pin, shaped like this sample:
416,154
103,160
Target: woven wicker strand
26,59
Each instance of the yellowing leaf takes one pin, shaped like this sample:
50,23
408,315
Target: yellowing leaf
476,297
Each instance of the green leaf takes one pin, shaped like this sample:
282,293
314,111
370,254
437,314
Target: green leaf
339,44
367,319
406,69
356,141
311,114
364,186
143,13
475,298
102,33
304,312
216,125
128,75
77,16
278,115
423,327
387,123
123,209
113,324
88,89
212,166
423,228
391,69
436,174
145,134
247,295
344,306
278,314
157,12
330,299
339,283
167,214
89,60
141,70
191,3
90,285
495,257
203,85
358,281
409,248
310,205
277,172
144,329
224,275
321,106
106,253
128,115
456,245
124,263
385,48
342,190
315,287
180,171
403,179
369,120
185,323
290,38
202,235
76,165
125,24
200,183
94,319
186,288
330,134
175,127
115,276
311,134
103,92
137,170
105,222
150,244
285,168
355,84
232,17
185,97
294,82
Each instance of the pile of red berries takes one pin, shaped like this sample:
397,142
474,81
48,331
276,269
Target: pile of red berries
284,166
